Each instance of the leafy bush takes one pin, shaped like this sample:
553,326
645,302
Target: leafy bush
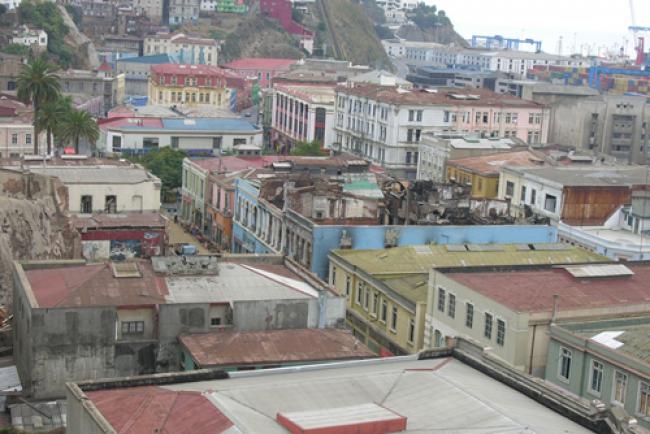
19,49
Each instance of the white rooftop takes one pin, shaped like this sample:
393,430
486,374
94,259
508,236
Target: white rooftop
436,396
102,174
236,282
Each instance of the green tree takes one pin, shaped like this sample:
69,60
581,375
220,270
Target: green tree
75,14
38,84
425,16
307,149
167,164
77,125
19,49
50,118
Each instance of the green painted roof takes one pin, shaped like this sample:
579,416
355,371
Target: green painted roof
635,337
400,261
413,287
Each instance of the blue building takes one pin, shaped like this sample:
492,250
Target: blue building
261,227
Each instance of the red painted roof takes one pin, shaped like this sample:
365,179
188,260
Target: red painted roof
261,63
532,291
104,67
151,409
174,68
226,348
95,285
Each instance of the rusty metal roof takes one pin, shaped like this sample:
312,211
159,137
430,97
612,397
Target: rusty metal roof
152,409
119,221
95,285
227,348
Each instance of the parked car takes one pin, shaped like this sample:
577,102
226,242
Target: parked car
185,249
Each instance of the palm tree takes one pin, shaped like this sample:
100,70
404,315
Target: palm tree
37,84
51,115
78,124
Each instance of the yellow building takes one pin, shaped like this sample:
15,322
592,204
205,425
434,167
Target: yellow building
386,289
482,173
188,85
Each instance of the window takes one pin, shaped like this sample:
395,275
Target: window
411,330
533,196
418,116
550,203
333,281
86,204
501,332
409,135
408,157
452,306
644,399
564,367
596,377
237,142
215,322
110,204
384,311
620,387
510,188
393,319
375,303
150,143
441,299
14,139
411,115
174,142
366,298
469,315
488,326
348,284
359,293
117,143
132,327
28,139
523,193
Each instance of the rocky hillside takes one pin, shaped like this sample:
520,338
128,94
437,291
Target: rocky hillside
30,228
258,37
441,34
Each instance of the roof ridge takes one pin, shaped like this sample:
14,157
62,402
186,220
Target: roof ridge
70,295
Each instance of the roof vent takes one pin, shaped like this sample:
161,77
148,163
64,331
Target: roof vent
125,269
593,271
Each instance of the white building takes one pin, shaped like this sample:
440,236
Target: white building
31,37
625,235
199,136
435,150
106,188
302,113
191,50
510,61
386,124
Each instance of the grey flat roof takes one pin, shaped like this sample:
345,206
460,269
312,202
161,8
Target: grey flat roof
592,176
237,282
436,395
96,174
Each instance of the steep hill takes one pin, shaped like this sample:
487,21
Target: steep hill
444,34
348,33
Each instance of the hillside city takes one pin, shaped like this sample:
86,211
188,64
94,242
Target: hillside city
319,216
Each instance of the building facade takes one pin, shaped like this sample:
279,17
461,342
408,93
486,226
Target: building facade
188,85
386,124
187,49
302,114
181,11
260,69
17,138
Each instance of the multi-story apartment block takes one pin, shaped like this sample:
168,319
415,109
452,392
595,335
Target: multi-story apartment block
187,49
386,124
182,11
182,85
153,9
302,113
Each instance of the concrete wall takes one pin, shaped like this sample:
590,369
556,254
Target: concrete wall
275,314
82,416
144,196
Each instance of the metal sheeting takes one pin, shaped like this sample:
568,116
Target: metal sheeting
587,271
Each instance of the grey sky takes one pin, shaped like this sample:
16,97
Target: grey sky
595,22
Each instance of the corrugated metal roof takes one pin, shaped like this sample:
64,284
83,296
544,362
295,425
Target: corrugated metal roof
96,174
374,418
226,348
613,270
405,260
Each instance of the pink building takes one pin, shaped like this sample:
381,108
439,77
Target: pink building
262,69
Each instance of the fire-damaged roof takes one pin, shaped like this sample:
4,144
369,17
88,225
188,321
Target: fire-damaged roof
226,348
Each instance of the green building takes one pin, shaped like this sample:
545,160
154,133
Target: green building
604,360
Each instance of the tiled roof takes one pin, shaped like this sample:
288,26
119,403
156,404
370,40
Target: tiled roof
533,291
489,165
260,63
226,348
152,409
95,285
442,96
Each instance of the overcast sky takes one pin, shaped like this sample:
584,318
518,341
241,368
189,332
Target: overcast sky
580,22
